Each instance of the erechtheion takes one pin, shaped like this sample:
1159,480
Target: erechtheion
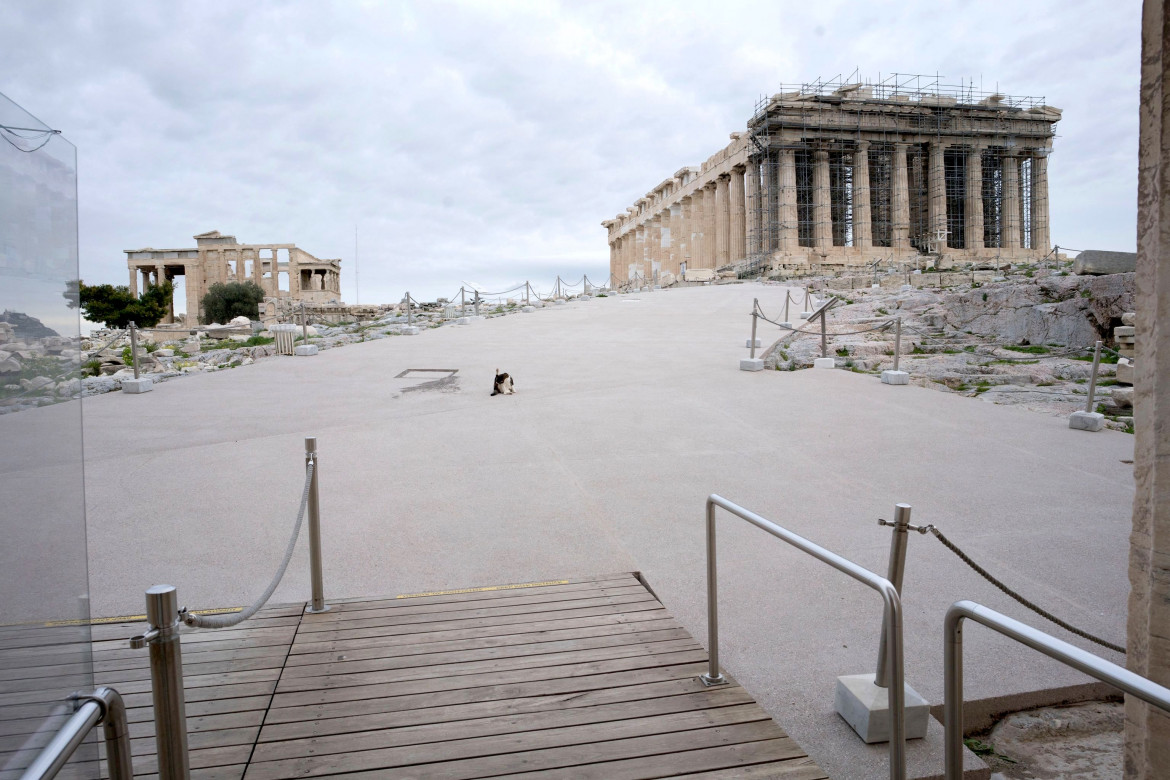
283,271
846,173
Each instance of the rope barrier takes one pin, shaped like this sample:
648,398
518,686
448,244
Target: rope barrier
1011,593
229,620
117,336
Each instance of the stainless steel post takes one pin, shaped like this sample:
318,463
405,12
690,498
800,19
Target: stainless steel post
752,343
894,574
304,325
787,300
824,336
1093,377
477,303
408,320
314,508
526,288
134,348
166,681
713,675
116,730
462,302
897,341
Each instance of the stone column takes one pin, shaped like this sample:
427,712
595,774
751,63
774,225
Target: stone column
639,263
973,203
614,254
160,274
1041,237
683,231
937,200
738,231
787,233
822,204
1147,729
772,240
134,281
901,197
751,181
722,221
1011,201
669,263
862,216
655,239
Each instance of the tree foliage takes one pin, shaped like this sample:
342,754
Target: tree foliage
225,301
116,307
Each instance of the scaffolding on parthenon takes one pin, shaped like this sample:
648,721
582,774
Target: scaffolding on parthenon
966,131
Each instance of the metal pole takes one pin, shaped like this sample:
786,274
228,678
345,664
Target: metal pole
318,603
166,681
103,706
897,341
894,574
134,348
477,303
462,302
1093,377
754,320
713,675
526,286
824,337
787,300
408,308
304,325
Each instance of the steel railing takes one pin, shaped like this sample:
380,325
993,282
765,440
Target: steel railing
1081,660
892,617
103,706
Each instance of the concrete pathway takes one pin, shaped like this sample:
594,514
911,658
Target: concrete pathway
628,411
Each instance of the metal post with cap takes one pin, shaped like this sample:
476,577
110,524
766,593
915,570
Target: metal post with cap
314,508
166,681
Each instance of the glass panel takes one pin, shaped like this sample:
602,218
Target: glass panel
45,652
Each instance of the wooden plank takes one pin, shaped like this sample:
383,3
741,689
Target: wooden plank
448,731
541,749
798,768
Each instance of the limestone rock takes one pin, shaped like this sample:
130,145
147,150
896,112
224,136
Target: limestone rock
1098,261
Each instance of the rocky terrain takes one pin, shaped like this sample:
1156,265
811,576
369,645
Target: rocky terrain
1023,338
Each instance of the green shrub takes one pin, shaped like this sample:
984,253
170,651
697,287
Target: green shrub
115,307
226,301
1030,349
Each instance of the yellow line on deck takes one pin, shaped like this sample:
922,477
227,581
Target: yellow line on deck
123,618
481,590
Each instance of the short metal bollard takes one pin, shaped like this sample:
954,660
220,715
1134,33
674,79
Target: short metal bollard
1089,420
896,377
166,681
318,599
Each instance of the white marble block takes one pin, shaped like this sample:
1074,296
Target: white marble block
827,362
895,378
866,708
751,364
140,385
1086,421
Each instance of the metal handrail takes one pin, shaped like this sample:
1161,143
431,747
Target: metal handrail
1081,660
892,605
103,706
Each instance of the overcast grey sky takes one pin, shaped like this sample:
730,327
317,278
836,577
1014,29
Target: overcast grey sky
487,141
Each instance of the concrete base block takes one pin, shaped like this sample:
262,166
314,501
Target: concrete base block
141,385
463,321
1086,421
895,378
748,343
657,287
305,350
585,297
785,324
751,364
804,315
866,708
875,287
528,309
410,330
825,363
907,287
560,301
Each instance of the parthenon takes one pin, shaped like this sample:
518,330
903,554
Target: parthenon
281,270
848,173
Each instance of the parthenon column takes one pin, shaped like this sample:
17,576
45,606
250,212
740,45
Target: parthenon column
684,232
973,206
669,264
862,219
738,215
822,204
772,239
1011,200
722,222
937,188
636,268
1041,237
709,237
787,233
901,198
751,182
655,239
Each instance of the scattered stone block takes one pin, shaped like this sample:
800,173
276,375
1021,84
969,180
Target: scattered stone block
751,364
164,353
866,708
1129,318
135,386
748,343
1098,262
1124,371
825,362
895,378
305,350
1123,397
1086,421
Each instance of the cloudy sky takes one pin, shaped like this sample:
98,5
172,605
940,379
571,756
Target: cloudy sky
486,141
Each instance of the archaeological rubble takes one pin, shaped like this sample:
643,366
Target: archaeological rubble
835,174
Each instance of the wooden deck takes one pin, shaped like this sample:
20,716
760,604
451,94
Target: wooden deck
570,679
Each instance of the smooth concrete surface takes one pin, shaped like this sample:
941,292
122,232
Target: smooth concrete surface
627,414
866,708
